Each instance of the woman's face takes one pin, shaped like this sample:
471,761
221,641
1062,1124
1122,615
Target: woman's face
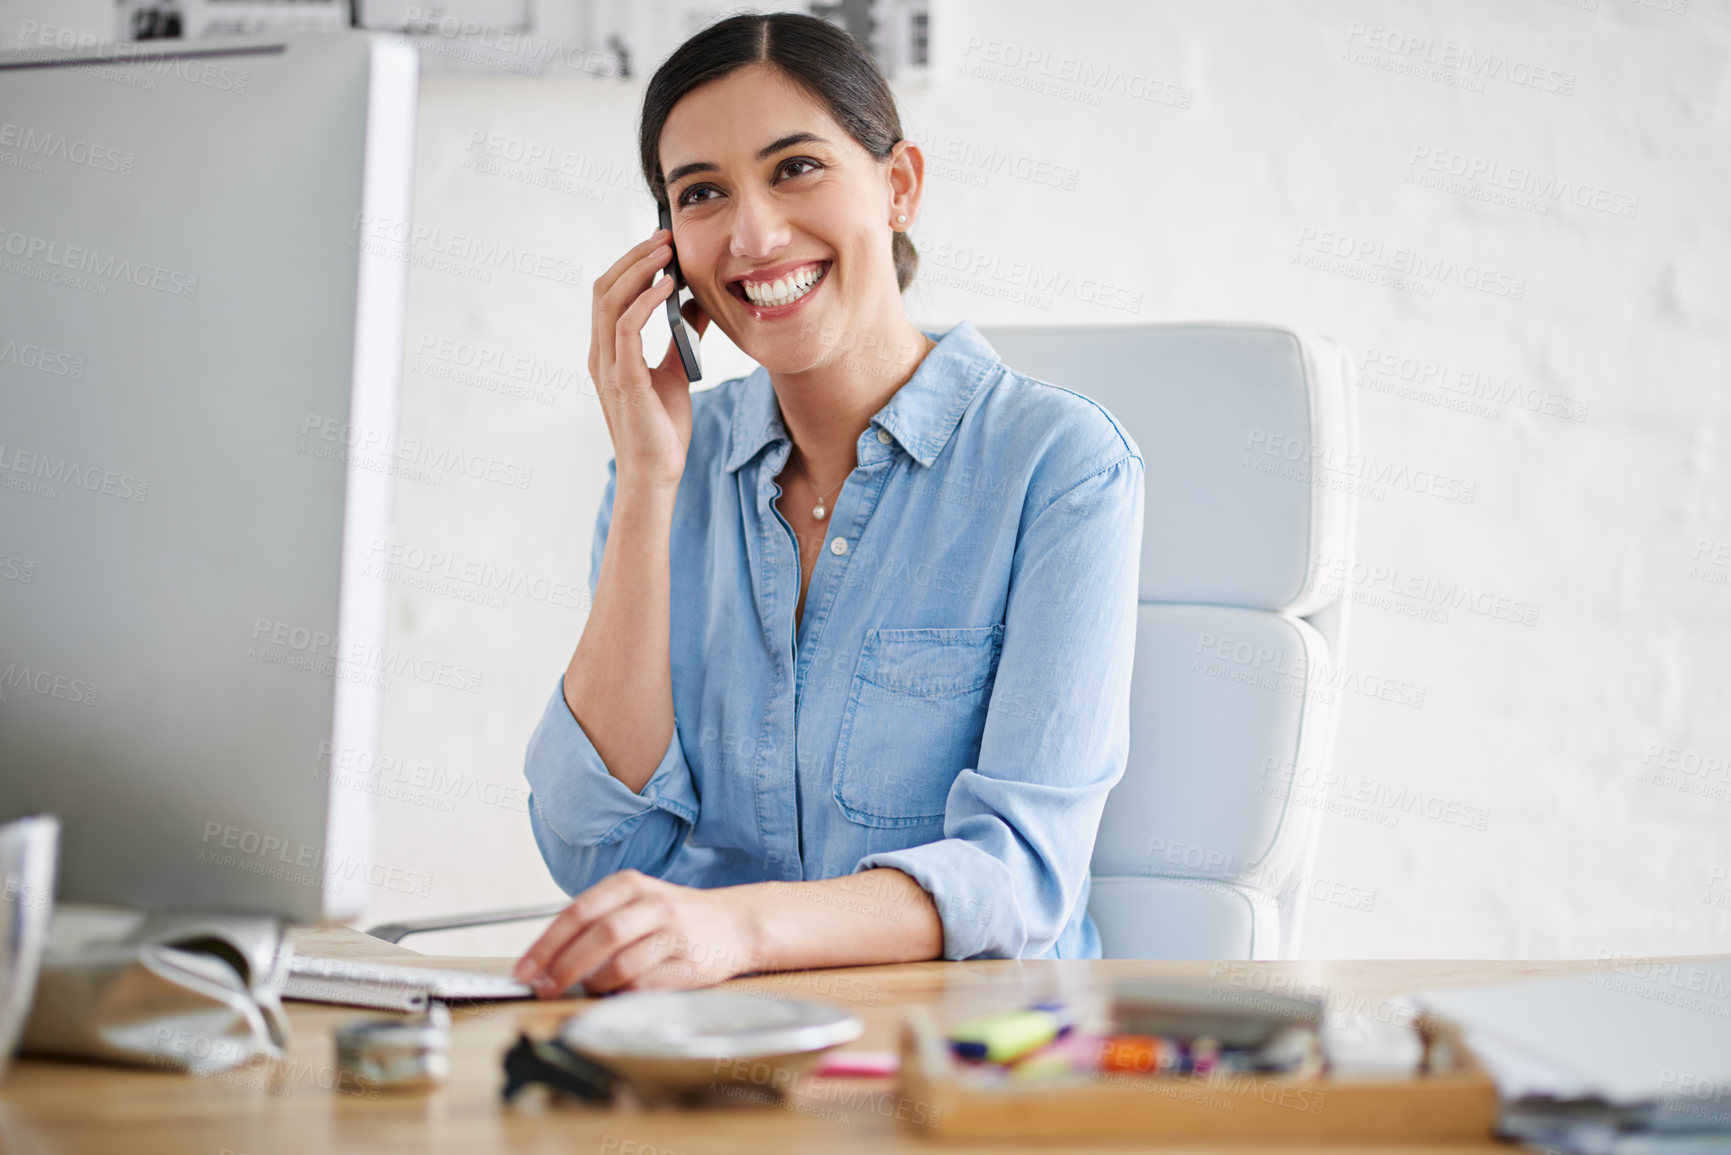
765,186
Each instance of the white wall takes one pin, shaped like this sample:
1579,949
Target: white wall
1265,141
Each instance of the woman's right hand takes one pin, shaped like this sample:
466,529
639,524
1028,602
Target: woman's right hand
648,411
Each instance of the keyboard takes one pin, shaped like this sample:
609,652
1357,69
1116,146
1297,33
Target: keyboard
389,986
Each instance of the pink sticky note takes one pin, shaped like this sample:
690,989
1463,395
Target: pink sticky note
858,1064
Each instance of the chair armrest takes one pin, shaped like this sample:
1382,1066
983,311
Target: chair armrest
398,931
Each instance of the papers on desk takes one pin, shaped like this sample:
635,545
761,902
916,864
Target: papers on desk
1629,1060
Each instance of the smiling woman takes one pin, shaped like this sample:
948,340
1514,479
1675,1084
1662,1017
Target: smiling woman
724,783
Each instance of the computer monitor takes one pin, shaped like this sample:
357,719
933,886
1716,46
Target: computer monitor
200,345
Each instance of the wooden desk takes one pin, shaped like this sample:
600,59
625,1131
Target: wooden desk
298,1106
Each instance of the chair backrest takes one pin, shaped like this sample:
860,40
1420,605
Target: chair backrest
1249,437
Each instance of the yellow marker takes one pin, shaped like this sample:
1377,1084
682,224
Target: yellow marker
1004,1036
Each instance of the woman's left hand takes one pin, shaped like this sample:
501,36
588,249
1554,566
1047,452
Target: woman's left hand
633,932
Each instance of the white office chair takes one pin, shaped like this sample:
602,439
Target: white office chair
1205,846
1249,438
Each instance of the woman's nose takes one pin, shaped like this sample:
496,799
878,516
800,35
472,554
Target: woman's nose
759,229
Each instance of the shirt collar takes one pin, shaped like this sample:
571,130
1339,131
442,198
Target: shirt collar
920,416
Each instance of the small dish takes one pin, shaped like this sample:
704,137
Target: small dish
679,1042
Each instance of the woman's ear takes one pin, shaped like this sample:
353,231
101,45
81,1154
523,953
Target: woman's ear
907,173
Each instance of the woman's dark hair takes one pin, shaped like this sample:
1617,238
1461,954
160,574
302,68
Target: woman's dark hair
816,55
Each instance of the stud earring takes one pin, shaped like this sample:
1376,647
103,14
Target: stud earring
901,218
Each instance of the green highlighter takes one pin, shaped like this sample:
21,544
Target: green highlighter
1006,1035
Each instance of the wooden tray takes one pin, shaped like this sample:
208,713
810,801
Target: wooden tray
1458,1104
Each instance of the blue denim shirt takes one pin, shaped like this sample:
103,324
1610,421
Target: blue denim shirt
955,700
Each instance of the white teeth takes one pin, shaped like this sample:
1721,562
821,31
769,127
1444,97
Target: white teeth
784,290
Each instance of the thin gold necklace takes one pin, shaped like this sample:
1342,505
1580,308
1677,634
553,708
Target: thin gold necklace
818,511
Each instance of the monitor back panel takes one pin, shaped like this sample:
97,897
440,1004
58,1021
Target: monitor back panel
179,293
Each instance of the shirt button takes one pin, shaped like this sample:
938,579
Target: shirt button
838,545
884,436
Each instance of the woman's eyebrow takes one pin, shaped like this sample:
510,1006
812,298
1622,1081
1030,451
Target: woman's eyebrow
684,170
763,153
789,141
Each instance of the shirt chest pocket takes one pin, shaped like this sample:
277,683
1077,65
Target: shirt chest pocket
915,713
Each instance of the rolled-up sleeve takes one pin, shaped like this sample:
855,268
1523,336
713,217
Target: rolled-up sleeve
586,822
1019,828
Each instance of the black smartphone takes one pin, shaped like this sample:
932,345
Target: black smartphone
684,336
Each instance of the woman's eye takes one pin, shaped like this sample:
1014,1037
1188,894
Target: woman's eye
685,198
800,160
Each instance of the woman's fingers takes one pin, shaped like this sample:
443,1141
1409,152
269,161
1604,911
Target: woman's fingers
605,282
604,938
630,284
610,893
614,291
621,317
634,963
599,322
633,932
628,330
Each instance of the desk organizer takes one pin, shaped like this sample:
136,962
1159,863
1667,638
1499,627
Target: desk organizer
1458,1102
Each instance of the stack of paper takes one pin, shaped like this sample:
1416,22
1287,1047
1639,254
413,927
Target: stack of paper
1633,1058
